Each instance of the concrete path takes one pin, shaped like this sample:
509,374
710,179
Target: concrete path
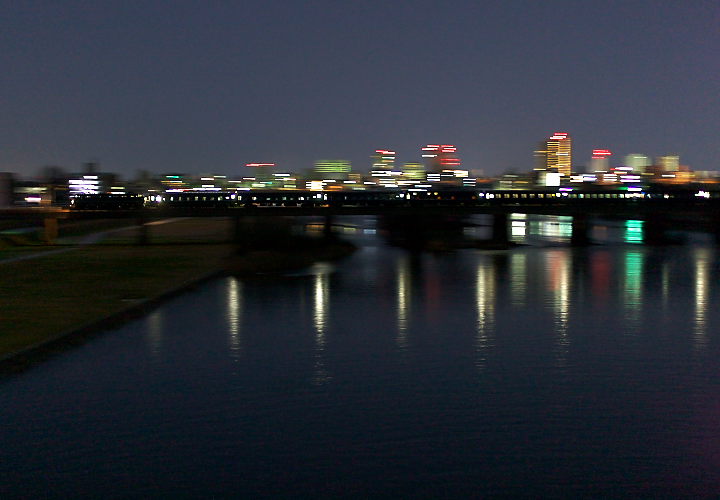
86,240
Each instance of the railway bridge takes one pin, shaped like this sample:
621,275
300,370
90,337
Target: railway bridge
660,211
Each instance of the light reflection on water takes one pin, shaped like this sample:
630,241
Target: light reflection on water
404,297
518,227
555,228
485,303
321,296
518,278
601,272
665,283
633,290
702,293
634,231
234,316
558,268
526,228
155,331
450,375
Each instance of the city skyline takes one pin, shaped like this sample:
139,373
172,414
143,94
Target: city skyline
540,159
210,88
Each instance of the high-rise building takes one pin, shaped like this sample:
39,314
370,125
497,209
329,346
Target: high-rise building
638,162
441,157
262,171
383,164
555,154
95,183
600,160
332,169
668,163
414,171
383,159
174,181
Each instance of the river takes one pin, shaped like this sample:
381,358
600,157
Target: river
544,370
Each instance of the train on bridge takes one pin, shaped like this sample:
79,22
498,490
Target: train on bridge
387,198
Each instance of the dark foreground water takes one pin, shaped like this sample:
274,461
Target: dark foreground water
537,371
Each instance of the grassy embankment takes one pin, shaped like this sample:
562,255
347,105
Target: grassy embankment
52,294
20,237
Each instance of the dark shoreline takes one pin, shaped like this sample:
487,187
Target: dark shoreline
250,264
18,361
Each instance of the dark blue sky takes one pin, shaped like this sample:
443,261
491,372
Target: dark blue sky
208,86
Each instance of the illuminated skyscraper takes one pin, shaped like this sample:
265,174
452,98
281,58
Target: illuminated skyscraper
599,161
383,159
638,162
414,171
383,165
555,154
262,172
441,157
668,163
332,169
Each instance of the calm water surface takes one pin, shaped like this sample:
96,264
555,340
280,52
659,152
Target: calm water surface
543,370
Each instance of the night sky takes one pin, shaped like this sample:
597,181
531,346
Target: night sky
208,86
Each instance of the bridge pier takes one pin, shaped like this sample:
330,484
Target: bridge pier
500,226
580,231
654,230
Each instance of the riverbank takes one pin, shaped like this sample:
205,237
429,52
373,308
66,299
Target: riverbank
48,297
58,300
